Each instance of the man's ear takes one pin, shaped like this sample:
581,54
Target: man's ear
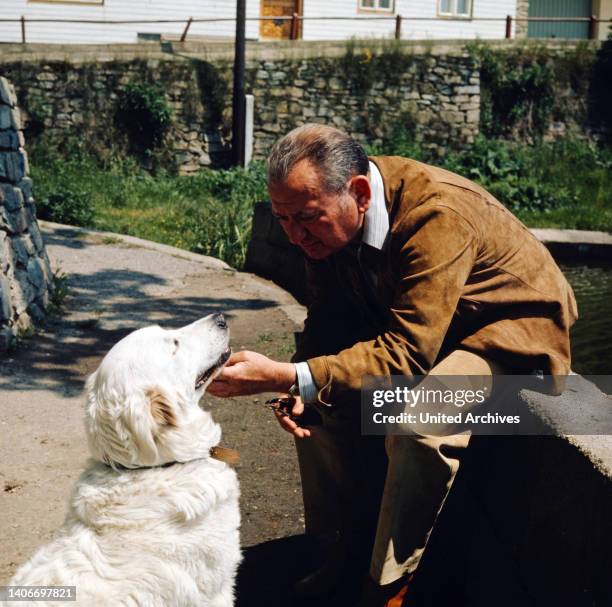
161,407
362,192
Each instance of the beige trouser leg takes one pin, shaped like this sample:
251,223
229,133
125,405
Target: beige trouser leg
337,479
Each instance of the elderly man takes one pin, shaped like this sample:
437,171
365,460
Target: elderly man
413,270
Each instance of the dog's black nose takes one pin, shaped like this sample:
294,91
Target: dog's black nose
220,321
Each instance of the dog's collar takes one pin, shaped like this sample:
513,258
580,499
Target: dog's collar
223,454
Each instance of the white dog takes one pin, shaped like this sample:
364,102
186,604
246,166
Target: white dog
154,520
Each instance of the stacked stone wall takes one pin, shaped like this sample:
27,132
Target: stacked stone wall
437,94
371,90
522,12
25,276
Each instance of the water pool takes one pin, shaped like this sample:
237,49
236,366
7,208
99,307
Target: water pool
592,333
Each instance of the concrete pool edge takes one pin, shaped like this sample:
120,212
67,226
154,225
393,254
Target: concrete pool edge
578,245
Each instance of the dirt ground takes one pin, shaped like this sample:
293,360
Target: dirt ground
114,288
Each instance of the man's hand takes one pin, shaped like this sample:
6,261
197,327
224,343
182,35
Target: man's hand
291,426
251,373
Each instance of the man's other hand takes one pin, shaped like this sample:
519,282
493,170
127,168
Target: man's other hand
290,425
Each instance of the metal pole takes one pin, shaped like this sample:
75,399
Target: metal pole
294,27
398,27
184,35
238,109
508,27
23,35
592,27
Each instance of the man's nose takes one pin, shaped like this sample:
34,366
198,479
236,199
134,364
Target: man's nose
295,232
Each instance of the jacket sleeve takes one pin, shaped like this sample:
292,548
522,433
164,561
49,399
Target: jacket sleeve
437,249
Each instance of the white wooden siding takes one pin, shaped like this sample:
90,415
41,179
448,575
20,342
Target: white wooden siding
183,9
117,10
416,30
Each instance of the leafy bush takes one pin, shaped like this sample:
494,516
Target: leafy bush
66,204
534,178
517,90
143,113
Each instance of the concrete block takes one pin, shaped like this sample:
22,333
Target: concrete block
36,236
22,292
15,222
11,197
9,140
25,185
6,256
7,93
10,118
472,116
467,90
12,166
5,300
36,274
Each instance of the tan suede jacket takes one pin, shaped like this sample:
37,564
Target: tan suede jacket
458,270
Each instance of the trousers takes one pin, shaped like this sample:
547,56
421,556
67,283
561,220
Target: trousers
380,496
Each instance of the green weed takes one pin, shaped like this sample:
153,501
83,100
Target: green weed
59,292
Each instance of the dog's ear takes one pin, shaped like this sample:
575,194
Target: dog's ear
161,408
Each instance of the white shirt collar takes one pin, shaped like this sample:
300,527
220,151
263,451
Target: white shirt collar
376,220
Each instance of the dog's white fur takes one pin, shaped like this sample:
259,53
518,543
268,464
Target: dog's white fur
139,532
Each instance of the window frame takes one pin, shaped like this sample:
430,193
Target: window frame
454,15
377,8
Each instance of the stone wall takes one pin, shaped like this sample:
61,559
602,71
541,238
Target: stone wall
64,99
435,96
369,88
25,275
522,12
369,91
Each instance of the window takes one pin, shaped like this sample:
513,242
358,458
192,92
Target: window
455,8
377,5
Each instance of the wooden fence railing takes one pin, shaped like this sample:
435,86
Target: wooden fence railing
400,22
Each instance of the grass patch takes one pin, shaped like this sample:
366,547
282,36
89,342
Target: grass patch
209,213
566,184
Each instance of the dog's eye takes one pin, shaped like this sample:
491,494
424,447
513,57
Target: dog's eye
176,345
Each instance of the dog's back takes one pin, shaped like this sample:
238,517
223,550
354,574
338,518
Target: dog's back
146,537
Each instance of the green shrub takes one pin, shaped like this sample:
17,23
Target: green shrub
526,178
517,90
66,204
144,114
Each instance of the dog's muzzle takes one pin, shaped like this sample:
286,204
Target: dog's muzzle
206,375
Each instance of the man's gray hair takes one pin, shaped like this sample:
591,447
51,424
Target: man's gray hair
336,155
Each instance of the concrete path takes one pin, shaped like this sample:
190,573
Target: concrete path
118,284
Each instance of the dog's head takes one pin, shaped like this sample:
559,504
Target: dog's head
143,400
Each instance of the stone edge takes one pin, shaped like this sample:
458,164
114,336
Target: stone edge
575,237
210,262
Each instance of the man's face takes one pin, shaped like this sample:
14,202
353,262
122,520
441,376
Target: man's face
318,222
